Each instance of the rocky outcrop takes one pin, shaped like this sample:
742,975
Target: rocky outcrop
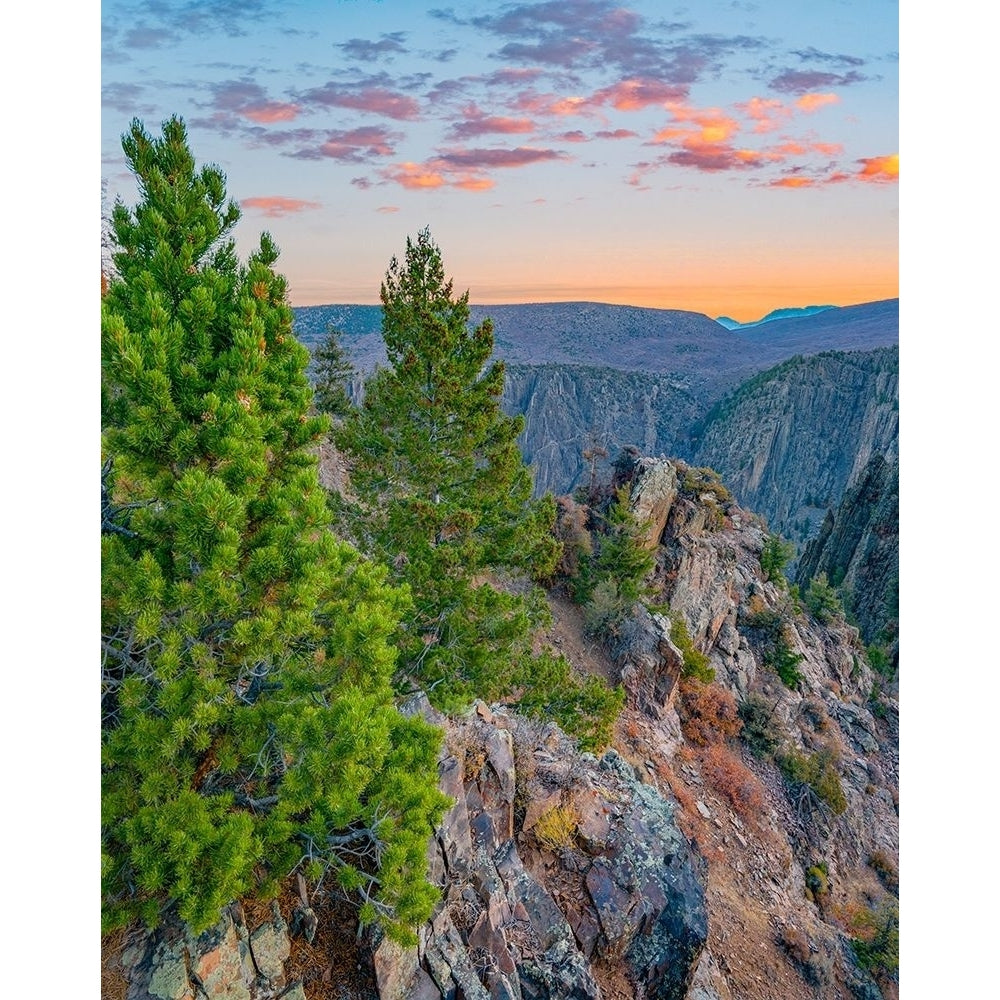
858,549
695,860
227,962
555,868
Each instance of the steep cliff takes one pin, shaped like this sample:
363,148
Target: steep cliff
791,440
858,549
569,409
788,439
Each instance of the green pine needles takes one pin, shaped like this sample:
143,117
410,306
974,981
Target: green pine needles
447,503
248,726
448,496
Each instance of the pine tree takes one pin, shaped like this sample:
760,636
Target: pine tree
332,371
248,719
450,494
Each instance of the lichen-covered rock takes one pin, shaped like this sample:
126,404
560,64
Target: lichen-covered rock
171,963
523,916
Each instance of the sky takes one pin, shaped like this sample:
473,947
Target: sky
725,157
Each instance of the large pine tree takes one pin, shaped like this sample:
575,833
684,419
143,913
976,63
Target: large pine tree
447,498
248,719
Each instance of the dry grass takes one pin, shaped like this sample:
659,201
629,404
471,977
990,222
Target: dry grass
708,713
556,828
114,985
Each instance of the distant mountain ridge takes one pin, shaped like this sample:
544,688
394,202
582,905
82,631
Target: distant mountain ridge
793,313
787,441
700,353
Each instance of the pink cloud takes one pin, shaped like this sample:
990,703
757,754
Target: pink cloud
276,206
477,123
478,159
414,176
636,94
272,111
764,112
465,169
387,209
376,100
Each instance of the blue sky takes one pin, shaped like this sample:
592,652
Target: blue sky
729,157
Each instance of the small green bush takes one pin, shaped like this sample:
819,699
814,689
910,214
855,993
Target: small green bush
823,601
819,772
584,709
817,882
878,659
759,732
774,558
877,944
785,662
698,480
695,661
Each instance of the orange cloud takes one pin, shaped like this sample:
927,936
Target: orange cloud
387,209
272,111
793,182
764,112
474,183
880,169
793,147
275,206
813,102
414,177
477,123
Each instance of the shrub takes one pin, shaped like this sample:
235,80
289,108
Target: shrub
886,869
774,557
823,601
621,556
727,774
556,828
605,610
879,660
758,731
571,530
699,480
708,712
817,882
784,662
695,661
818,772
876,940
584,709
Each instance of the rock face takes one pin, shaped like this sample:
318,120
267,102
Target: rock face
227,962
858,549
555,868
568,409
789,442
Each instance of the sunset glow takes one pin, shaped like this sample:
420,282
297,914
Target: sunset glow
723,159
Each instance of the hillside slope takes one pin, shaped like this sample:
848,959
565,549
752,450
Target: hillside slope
739,841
